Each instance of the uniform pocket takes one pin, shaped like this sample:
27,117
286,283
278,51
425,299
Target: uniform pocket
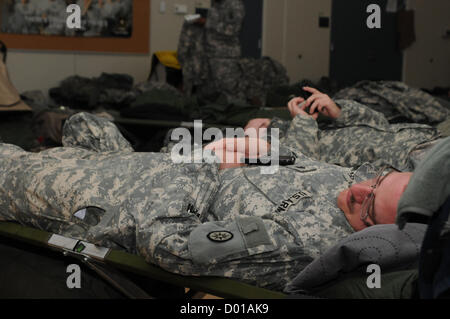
90,216
216,242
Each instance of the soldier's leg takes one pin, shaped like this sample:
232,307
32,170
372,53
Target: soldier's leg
87,131
11,157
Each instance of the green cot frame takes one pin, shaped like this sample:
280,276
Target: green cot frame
220,287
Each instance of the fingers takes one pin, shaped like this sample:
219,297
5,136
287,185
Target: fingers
258,123
295,102
216,145
314,106
248,145
293,105
303,105
255,147
311,90
320,105
313,98
257,127
229,166
230,159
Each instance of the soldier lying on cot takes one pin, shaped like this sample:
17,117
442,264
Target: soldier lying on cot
193,219
355,134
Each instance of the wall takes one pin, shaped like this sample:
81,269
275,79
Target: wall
290,29
33,70
427,61
166,26
291,35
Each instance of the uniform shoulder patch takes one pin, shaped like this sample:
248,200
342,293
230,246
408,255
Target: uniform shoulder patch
220,236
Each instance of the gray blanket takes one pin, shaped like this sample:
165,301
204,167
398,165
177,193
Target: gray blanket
429,187
385,245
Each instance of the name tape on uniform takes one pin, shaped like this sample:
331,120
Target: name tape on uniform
293,200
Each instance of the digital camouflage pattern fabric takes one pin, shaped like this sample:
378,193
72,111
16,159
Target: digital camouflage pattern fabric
189,219
359,135
191,56
223,27
205,51
211,60
397,101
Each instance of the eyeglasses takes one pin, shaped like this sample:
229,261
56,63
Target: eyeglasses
368,205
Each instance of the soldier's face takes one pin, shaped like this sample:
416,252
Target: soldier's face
387,196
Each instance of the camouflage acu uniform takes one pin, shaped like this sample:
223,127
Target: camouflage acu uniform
210,55
192,57
212,63
396,100
189,219
223,28
359,135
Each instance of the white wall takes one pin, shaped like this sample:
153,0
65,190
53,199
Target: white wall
291,35
290,29
41,70
427,61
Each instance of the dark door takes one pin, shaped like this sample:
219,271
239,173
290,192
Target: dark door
358,52
251,34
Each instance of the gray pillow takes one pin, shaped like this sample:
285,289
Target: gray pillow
429,187
384,245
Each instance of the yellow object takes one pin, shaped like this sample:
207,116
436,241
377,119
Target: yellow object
168,59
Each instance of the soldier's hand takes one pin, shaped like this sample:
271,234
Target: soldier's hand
320,102
248,146
229,159
231,151
295,108
259,125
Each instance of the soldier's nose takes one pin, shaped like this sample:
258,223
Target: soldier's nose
360,192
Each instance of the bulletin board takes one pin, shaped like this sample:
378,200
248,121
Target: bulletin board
134,39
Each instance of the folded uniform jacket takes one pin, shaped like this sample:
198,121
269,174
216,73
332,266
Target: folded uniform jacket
429,187
384,245
108,90
161,104
396,100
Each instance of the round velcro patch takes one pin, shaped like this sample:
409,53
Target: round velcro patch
220,236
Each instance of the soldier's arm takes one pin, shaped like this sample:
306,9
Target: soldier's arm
281,125
301,137
342,112
354,113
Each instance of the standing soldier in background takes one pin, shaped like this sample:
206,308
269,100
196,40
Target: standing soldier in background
223,48
223,28
209,50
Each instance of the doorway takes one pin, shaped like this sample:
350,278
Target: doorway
359,53
251,34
